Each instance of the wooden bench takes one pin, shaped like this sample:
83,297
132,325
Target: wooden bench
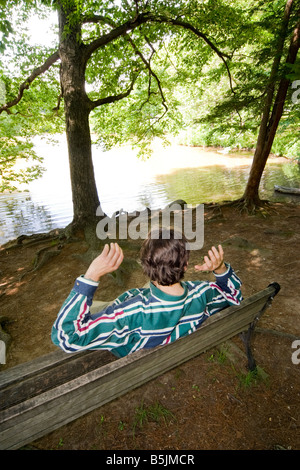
42,395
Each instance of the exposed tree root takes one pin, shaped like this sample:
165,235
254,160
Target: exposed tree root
35,239
54,241
57,238
251,206
42,257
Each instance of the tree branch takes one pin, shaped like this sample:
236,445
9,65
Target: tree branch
26,84
138,21
57,107
145,18
107,38
113,98
99,18
263,129
198,33
130,25
278,105
114,33
151,73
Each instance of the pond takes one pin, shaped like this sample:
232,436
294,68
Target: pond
126,182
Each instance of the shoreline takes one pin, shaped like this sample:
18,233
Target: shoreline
170,173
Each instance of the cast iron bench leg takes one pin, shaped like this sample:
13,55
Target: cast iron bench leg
246,336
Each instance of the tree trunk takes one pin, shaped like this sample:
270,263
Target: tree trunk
77,110
271,116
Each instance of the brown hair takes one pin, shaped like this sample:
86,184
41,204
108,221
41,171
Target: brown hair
164,256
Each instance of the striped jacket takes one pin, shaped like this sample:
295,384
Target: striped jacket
140,318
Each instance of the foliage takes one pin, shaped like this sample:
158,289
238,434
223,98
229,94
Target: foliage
177,60
203,109
13,152
143,115
219,116
200,71
35,113
19,163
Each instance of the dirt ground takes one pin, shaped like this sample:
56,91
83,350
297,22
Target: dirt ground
211,402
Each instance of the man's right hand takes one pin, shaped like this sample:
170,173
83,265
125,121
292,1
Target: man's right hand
107,262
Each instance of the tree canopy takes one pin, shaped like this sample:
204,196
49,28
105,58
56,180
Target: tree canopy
129,71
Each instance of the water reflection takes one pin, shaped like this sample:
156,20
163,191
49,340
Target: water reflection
210,184
23,215
125,182
219,183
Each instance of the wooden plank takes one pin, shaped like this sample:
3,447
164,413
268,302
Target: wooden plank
38,415
54,374
36,366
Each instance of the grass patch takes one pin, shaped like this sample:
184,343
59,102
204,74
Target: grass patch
219,356
155,413
253,377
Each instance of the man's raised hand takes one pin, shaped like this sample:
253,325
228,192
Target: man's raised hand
107,262
214,261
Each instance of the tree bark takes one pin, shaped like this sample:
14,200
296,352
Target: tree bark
77,109
271,114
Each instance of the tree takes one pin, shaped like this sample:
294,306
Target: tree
263,65
85,30
276,93
112,46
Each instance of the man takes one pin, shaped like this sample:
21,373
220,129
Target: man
158,314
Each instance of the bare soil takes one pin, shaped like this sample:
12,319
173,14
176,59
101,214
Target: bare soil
209,403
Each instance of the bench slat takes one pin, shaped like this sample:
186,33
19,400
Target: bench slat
47,378
38,365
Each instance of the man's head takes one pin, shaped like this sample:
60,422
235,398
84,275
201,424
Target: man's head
164,256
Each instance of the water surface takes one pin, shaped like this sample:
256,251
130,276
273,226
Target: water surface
125,182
